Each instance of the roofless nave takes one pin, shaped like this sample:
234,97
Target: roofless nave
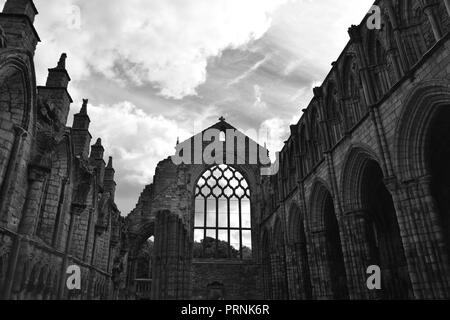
363,180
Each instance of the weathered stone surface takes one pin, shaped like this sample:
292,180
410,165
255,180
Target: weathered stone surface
363,180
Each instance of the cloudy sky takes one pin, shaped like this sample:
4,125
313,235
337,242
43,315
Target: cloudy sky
157,69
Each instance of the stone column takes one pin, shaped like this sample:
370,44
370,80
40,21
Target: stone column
320,271
392,54
323,124
37,177
75,211
172,254
300,269
368,87
292,273
398,40
422,237
14,276
357,254
8,187
429,11
278,274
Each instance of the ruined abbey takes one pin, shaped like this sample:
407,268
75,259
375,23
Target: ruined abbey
361,181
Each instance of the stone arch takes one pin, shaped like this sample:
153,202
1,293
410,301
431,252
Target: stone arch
365,195
422,151
246,170
17,75
297,243
223,213
50,217
417,33
328,255
295,218
378,64
419,111
354,162
145,231
17,100
141,255
319,193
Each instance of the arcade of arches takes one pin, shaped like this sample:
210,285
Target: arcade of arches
362,180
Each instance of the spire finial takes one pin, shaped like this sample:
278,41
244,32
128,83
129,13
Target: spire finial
110,163
62,61
178,140
222,119
99,142
84,107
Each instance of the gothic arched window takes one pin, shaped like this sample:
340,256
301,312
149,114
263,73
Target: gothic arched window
222,226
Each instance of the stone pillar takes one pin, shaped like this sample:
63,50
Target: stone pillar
357,254
159,280
298,273
320,271
277,276
171,258
14,276
323,124
398,40
392,54
368,87
430,13
37,177
422,237
292,273
75,211
8,187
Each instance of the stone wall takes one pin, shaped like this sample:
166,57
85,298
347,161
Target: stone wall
362,118
54,210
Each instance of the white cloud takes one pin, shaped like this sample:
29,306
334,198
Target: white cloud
277,131
259,102
136,140
168,43
163,42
